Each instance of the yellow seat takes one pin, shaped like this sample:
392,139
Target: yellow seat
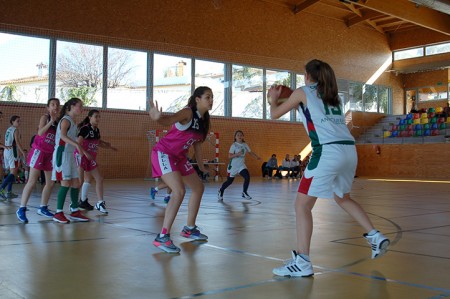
424,115
448,120
387,134
424,120
416,121
439,109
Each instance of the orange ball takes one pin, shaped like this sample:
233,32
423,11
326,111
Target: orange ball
284,95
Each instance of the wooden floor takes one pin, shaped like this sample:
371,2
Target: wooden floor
113,256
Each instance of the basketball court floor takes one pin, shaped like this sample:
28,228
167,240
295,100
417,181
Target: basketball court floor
113,256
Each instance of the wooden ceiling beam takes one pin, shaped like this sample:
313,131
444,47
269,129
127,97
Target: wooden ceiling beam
303,5
366,15
407,11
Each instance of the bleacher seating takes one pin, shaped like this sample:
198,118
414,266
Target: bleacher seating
424,123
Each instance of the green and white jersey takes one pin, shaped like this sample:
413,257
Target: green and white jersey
71,133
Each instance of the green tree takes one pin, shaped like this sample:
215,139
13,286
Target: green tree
9,93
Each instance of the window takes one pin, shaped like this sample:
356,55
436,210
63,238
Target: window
247,92
127,79
355,92
432,93
299,81
370,98
410,53
383,99
212,74
280,78
24,68
79,72
172,82
437,49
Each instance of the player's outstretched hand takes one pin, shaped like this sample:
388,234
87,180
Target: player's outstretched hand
155,112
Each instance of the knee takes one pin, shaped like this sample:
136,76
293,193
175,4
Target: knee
180,193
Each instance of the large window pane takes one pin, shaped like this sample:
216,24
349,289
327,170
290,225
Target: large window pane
23,68
247,92
432,93
279,78
172,82
370,98
355,91
212,74
127,75
383,99
79,72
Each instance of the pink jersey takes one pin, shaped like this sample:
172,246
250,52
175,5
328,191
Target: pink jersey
46,142
91,139
181,137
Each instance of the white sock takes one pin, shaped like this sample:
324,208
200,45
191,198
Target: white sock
156,189
84,191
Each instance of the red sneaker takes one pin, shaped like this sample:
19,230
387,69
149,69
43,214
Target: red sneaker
59,217
77,216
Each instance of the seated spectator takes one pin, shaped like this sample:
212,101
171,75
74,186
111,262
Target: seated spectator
271,165
295,166
445,113
285,166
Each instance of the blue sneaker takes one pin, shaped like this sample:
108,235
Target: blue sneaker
44,211
193,233
153,193
21,214
166,199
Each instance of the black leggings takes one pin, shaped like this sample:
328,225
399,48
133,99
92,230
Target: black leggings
245,174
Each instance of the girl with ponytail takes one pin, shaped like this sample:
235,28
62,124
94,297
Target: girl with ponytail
332,166
190,127
89,139
65,169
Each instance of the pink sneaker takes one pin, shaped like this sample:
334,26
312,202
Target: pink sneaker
77,216
59,217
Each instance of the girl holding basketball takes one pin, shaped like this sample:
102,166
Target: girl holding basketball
332,166
190,127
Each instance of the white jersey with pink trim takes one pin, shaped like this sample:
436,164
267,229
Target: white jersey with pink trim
181,137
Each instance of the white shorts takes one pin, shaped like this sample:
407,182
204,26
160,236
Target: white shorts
330,171
234,171
9,161
64,166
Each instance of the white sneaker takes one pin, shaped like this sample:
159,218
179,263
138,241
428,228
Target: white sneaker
246,196
379,244
298,266
220,195
101,206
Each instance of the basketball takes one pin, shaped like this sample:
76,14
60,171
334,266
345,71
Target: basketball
284,95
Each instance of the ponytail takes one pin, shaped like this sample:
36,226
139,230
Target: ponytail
322,73
198,92
68,106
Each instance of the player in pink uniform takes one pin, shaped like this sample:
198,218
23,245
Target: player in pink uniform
90,140
190,127
40,159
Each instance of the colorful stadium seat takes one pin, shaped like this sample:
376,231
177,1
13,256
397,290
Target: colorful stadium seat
416,121
431,109
417,127
427,133
434,126
416,115
394,134
387,134
426,126
424,115
409,116
442,126
433,120
424,120
439,110
418,133
410,133
441,120
434,132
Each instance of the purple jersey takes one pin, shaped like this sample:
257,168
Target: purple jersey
46,142
181,137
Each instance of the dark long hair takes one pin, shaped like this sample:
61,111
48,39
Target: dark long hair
13,118
68,106
198,92
86,120
322,73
